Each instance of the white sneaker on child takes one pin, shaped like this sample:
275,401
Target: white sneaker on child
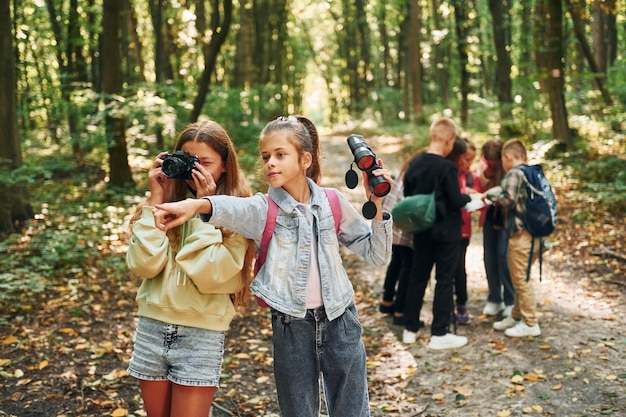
507,311
492,309
447,341
409,337
522,329
505,323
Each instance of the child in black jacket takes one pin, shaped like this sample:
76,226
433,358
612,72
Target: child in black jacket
439,244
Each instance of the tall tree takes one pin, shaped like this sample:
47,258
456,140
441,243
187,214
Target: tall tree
501,22
440,51
15,206
220,25
163,67
549,53
462,36
415,65
244,69
577,12
112,83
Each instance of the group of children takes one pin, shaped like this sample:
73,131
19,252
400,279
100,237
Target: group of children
445,167
195,239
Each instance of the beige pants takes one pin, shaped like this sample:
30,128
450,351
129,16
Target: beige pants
525,304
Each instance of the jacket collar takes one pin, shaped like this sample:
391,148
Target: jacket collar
288,204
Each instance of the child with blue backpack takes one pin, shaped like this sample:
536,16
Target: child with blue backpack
316,330
521,244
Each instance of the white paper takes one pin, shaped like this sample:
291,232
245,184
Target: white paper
477,203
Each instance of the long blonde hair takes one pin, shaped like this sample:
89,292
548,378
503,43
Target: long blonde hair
231,182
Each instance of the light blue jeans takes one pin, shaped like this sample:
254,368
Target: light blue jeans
306,347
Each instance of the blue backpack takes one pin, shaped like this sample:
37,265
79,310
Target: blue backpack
541,213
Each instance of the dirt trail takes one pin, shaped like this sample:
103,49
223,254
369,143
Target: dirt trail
577,367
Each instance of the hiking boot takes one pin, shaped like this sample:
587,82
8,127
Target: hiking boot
409,337
462,316
505,323
386,309
521,329
507,311
492,309
447,341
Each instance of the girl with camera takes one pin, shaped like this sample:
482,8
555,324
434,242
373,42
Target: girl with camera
316,330
194,277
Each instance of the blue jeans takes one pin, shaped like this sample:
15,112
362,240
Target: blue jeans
498,277
306,347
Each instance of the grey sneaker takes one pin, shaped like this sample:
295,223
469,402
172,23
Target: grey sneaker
505,323
447,341
521,329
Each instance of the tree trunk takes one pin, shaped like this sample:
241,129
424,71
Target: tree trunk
162,67
500,14
220,28
439,52
112,82
414,58
549,53
462,34
244,69
599,75
15,206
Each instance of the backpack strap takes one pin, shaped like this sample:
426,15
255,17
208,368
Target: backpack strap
268,231
335,206
530,257
270,225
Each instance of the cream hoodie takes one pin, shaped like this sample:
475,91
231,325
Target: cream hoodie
192,289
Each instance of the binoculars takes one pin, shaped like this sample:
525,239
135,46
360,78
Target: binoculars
365,160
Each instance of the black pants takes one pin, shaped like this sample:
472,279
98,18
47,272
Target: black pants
397,275
426,253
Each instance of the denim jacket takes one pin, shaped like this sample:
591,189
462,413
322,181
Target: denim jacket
281,282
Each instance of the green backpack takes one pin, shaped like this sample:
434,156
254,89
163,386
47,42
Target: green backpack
415,213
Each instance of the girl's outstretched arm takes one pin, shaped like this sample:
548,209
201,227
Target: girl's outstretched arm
169,215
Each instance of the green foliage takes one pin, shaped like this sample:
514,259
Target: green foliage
79,225
605,179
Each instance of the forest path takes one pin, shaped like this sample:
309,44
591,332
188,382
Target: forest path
577,366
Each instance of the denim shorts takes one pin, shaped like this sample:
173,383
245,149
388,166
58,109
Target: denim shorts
181,354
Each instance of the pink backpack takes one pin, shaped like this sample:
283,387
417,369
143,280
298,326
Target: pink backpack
270,225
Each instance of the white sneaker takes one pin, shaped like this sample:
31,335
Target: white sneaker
505,323
507,311
409,337
492,309
447,341
521,329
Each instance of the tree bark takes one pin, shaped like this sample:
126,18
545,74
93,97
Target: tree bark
414,58
599,75
501,22
462,34
244,69
112,82
220,27
549,53
14,206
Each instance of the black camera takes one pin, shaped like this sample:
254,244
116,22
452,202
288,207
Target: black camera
365,160
179,165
